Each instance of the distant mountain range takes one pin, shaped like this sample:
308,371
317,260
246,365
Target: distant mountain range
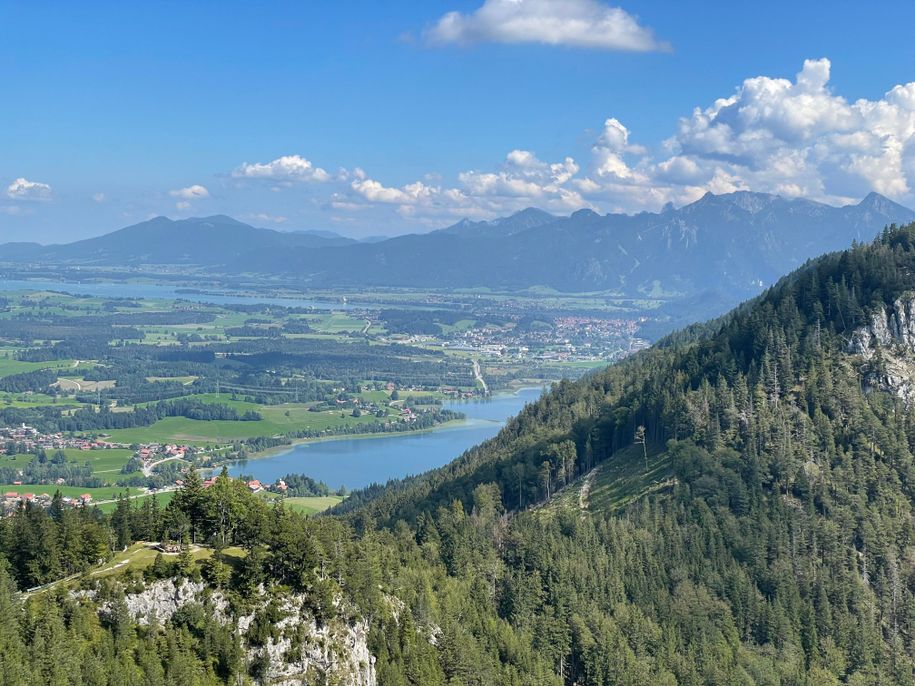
206,242
719,248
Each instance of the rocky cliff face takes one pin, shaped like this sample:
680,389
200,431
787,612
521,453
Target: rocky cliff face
887,345
300,651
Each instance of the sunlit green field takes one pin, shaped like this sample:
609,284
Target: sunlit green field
19,460
336,322
106,464
312,505
277,419
163,499
9,366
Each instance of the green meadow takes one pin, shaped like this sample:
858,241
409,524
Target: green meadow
277,419
312,505
9,366
106,464
163,498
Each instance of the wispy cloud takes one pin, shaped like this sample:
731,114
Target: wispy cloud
194,192
188,194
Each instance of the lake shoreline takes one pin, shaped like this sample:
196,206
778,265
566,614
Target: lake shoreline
453,424
450,425
341,456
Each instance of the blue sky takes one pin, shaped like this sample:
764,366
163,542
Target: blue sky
370,118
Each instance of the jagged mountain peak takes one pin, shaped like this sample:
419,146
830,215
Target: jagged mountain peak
528,214
528,218
880,204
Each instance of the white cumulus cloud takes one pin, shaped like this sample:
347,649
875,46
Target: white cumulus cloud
577,23
285,168
23,189
526,177
801,138
409,194
522,180
195,192
791,136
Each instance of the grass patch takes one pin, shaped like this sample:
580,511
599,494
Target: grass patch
624,478
312,505
336,322
9,366
163,498
18,460
139,556
29,399
105,463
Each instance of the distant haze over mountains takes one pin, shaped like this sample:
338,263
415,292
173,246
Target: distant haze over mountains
721,247
208,242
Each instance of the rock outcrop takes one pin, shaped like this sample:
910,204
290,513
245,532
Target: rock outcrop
887,344
161,600
300,650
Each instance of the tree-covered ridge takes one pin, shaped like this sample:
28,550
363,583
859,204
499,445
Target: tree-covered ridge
785,541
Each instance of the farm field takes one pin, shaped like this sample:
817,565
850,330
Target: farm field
278,361
106,463
9,365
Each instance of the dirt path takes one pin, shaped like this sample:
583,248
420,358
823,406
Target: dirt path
148,469
478,375
586,490
166,489
368,325
142,546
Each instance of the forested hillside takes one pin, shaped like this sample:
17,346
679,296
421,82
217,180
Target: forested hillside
764,534
781,549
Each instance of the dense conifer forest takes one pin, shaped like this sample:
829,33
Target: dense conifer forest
764,533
